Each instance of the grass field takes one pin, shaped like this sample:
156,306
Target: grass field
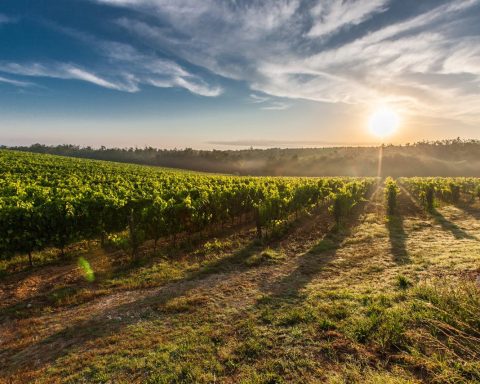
383,300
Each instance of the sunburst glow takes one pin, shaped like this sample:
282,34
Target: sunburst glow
383,122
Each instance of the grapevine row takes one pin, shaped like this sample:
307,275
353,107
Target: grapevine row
50,201
447,189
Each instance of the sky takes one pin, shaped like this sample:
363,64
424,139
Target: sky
236,73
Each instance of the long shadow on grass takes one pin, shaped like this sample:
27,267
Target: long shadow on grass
451,227
284,302
166,250
396,230
398,237
110,321
34,305
314,260
469,209
286,294
446,224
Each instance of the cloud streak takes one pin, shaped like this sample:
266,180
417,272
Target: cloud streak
424,59
331,16
60,71
303,49
268,103
142,71
16,83
125,68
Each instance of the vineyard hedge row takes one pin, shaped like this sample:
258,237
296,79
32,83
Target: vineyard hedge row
51,201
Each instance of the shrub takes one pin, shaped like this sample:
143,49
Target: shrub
391,191
403,282
454,193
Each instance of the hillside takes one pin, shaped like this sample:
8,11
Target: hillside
364,297
437,158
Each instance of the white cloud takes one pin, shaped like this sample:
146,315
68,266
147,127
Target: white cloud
279,57
286,49
17,83
255,17
268,103
62,71
465,58
331,16
257,99
128,69
276,106
80,74
197,87
154,71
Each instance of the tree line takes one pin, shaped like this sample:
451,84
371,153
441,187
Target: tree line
455,157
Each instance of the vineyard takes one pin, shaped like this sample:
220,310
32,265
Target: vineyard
115,273
53,201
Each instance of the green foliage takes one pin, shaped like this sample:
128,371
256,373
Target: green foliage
117,241
48,201
403,282
454,193
391,191
450,190
346,196
428,197
440,157
435,324
423,189
297,315
267,256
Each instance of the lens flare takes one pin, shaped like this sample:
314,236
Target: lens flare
86,269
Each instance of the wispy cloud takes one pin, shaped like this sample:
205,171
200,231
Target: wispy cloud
149,69
61,71
268,103
197,86
286,49
276,106
331,16
80,74
126,68
144,68
4,19
258,99
17,83
425,59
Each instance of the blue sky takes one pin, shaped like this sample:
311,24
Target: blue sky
218,74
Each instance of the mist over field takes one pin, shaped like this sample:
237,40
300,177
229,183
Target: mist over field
437,158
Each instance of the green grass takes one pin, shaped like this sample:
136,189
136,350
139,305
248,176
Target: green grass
313,307
266,256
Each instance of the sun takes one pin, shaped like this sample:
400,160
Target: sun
383,122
